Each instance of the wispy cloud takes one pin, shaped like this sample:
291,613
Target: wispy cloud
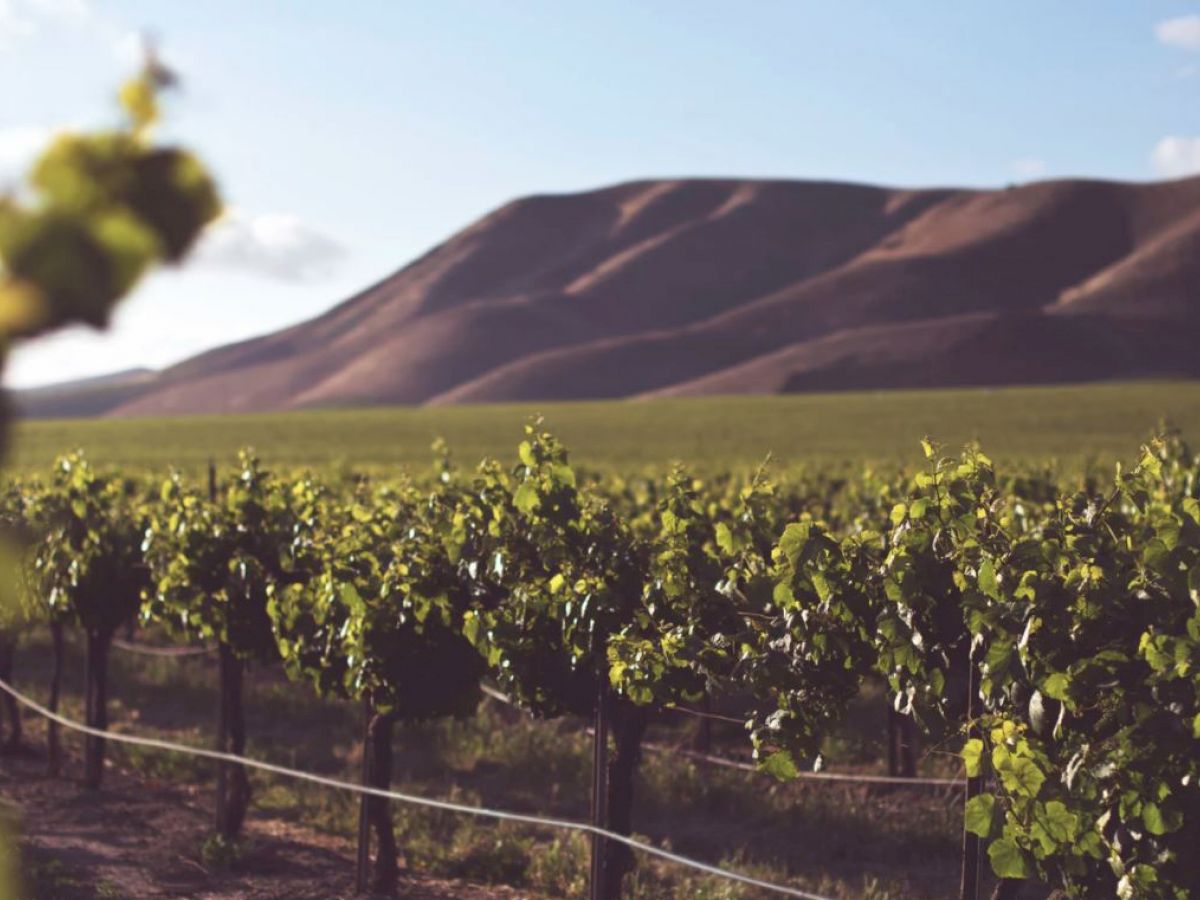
1176,157
21,19
28,19
14,23
1182,32
273,245
1028,168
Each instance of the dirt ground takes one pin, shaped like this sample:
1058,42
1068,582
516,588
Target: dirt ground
138,837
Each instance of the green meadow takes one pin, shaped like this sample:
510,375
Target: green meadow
1073,427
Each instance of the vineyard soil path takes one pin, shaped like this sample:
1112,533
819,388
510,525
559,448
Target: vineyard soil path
142,837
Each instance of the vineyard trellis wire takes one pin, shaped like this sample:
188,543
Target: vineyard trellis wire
725,762
167,652
414,799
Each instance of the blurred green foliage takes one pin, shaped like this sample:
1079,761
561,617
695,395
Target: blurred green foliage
99,211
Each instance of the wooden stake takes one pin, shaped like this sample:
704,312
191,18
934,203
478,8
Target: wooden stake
222,806
970,854
600,792
363,862
54,750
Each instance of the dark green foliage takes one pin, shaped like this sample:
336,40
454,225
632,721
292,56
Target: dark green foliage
1084,617
378,612
553,571
215,563
87,560
1078,603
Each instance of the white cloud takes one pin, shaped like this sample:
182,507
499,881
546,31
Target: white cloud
1176,157
278,246
19,144
1028,168
27,19
14,22
1182,32
72,12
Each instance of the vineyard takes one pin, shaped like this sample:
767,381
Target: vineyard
1040,632
1077,426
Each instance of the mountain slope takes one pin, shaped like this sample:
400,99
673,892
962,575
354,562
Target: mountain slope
83,396
702,286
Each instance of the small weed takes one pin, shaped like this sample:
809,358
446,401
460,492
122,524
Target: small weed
220,852
560,867
50,878
165,766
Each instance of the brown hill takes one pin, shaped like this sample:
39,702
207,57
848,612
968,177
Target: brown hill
705,286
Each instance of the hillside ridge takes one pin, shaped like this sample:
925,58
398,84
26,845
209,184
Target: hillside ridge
679,287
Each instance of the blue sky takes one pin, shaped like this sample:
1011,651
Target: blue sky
349,137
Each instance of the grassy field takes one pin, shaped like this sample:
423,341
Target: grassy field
1074,426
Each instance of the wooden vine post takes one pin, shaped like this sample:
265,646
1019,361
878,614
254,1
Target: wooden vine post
363,860
702,736
599,880
233,785
95,706
8,652
970,854
54,747
222,817
902,749
233,794
378,746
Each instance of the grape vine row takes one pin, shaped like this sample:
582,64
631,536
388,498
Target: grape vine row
1053,627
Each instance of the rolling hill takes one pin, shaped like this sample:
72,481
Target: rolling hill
700,286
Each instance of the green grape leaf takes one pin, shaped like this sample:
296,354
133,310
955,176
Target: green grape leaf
1161,821
972,754
526,498
724,538
1059,822
780,765
793,541
1056,686
1021,776
980,814
1008,860
988,583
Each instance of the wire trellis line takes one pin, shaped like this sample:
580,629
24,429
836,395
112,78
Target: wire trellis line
148,650
847,777
402,797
